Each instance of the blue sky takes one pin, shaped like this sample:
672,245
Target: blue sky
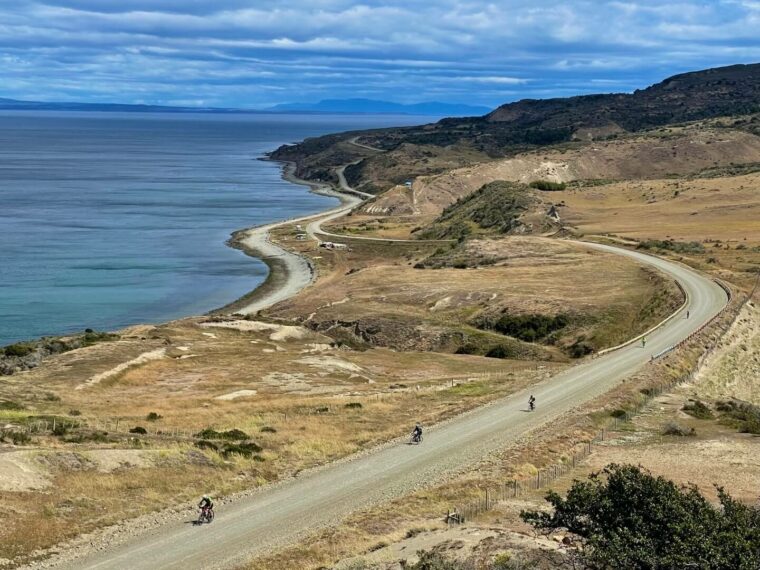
248,53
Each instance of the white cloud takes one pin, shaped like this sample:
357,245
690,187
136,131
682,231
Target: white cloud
235,52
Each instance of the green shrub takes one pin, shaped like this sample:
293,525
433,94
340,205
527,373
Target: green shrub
246,449
468,348
671,245
60,430
268,429
206,444
138,429
153,417
19,349
580,348
741,415
353,405
548,186
619,413
626,518
528,328
232,434
698,410
75,413
500,351
83,437
10,405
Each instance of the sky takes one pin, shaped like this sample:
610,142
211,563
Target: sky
253,53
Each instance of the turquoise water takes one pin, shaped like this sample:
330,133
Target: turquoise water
110,219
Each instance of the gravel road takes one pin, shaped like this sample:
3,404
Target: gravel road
283,513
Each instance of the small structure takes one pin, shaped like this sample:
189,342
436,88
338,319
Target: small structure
301,236
333,245
408,183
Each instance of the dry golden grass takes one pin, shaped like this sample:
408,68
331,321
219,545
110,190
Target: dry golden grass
723,214
295,380
531,275
727,209
82,501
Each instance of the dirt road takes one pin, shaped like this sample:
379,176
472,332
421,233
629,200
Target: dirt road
281,514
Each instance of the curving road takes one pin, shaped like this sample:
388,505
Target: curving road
281,514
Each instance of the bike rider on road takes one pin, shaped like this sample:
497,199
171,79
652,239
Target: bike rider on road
417,433
532,402
206,504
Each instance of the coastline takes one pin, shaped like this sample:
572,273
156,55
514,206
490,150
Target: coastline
288,272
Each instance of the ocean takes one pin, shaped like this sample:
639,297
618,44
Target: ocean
112,219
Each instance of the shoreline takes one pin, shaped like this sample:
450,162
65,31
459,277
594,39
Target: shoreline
288,272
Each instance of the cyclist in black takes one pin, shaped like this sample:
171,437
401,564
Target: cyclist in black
417,434
532,403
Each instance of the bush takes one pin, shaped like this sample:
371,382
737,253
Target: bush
353,405
435,561
268,429
619,413
16,437
19,349
580,348
528,328
10,405
698,410
75,413
671,245
138,429
246,449
206,444
60,430
468,348
82,437
500,351
672,428
548,186
744,417
153,417
232,434
627,518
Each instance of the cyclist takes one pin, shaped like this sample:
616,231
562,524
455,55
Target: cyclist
206,505
417,433
532,403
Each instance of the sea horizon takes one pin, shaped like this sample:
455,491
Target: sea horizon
116,219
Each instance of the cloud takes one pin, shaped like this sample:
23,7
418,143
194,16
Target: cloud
253,54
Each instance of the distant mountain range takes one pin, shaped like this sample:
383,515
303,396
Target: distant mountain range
16,105
367,106
373,106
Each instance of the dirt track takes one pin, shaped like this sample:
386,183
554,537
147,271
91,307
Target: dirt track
281,514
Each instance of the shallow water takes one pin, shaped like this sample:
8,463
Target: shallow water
110,219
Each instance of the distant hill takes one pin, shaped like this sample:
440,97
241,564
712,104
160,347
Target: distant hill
16,105
372,106
528,124
690,96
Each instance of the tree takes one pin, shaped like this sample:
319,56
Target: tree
627,518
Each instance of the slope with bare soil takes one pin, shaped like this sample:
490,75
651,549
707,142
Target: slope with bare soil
671,152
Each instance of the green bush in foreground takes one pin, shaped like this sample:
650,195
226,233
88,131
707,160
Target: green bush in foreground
627,518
